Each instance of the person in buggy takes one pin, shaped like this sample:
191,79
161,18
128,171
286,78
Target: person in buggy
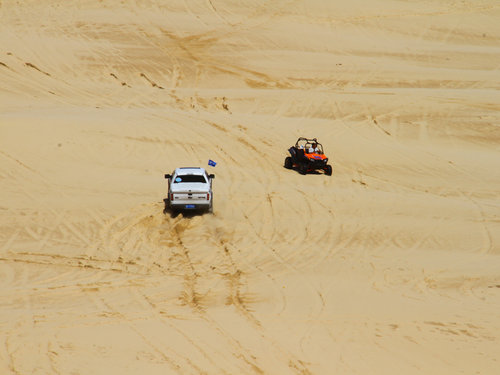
313,149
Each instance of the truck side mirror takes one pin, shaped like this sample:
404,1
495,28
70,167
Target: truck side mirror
168,176
211,175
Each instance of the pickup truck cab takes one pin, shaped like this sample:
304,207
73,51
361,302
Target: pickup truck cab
190,188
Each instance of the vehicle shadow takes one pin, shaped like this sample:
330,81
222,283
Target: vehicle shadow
310,172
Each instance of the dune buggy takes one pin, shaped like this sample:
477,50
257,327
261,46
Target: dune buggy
307,156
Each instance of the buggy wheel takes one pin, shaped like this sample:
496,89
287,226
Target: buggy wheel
288,162
328,170
303,168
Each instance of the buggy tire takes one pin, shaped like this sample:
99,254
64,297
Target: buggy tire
328,170
303,168
288,163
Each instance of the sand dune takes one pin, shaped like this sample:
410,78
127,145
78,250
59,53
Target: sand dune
390,266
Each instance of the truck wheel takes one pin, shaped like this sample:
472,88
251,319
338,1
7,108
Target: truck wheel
328,170
288,162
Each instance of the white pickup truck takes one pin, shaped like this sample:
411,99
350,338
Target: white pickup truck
190,188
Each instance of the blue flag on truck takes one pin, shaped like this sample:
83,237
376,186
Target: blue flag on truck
211,163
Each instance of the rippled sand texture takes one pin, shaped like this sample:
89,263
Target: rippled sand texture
390,266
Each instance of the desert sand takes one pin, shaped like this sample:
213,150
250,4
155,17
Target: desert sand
390,266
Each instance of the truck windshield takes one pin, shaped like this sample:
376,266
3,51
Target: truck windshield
190,178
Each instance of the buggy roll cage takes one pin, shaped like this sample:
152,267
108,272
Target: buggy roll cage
307,142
